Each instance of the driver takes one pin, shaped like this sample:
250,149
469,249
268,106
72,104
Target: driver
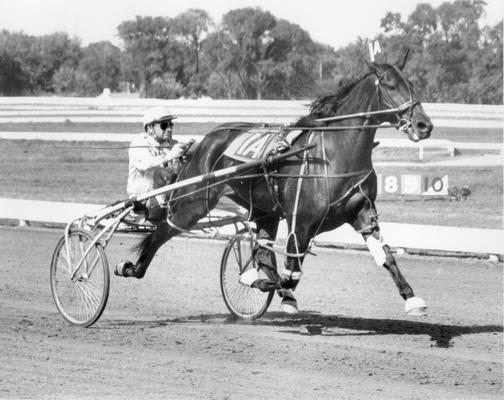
154,161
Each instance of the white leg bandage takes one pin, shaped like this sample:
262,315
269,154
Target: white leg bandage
375,247
249,277
294,275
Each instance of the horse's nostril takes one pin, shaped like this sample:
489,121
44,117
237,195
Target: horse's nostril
423,127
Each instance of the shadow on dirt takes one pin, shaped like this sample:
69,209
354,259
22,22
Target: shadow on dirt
312,323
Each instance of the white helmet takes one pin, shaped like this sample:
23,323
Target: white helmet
156,114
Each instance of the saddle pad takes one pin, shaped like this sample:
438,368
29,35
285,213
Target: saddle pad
257,143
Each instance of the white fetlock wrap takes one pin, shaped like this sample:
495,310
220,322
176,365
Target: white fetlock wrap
249,277
415,306
293,275
286,272
289,306
375,247
296,276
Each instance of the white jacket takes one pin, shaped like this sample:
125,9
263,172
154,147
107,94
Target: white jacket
146,171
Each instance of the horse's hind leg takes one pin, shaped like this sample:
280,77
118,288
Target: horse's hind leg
146,251
366,224
185,217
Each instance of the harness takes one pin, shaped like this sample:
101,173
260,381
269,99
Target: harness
402,124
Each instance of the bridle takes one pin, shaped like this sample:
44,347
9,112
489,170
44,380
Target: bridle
402,124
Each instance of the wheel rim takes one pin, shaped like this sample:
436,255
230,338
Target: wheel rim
241,300
80,300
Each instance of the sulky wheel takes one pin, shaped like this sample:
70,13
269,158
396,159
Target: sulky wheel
80,296
242,301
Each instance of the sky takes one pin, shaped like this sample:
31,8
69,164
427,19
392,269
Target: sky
332,22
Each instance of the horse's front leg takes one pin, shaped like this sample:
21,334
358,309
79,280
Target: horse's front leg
298,241
266,262
366,224
291,274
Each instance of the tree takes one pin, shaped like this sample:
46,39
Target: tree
150,51
40,57
191,27
49,54
296,61
351,60
453,59
12,77
485,85
391,23
266,57
71,81
250,32
217,56
101,63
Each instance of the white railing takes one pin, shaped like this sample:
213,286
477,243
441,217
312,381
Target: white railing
401,236
107,109
110,109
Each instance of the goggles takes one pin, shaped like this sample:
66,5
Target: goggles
165,125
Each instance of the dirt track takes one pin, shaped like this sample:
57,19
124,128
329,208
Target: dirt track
168,335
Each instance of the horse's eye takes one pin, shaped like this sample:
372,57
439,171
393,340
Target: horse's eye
389,83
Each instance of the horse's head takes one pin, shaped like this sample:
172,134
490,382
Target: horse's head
396,93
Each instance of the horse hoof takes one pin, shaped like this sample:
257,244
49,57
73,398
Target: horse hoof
289,306
125,269
415,306
249,277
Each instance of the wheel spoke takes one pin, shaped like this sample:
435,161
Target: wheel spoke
67,262
93,265
89,301
241,300
94,293
81,300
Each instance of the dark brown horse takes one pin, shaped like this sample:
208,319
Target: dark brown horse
329,185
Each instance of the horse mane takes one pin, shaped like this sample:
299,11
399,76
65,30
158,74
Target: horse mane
326,105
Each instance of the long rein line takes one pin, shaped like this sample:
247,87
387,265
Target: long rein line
397,110
404,107
401,108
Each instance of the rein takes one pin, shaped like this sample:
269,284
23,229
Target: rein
402,108
402,123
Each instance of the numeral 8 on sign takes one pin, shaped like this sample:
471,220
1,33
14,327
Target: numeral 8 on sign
391,184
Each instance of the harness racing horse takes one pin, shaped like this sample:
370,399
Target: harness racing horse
326,186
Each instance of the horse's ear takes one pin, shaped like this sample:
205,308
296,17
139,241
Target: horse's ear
371,66
403,63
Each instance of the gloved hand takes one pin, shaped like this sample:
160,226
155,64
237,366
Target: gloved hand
177,150
186,156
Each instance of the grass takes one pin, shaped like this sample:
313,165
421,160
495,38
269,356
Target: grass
482,209
491,135
96,173
398,154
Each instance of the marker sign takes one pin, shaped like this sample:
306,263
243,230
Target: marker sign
374,49
412,184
